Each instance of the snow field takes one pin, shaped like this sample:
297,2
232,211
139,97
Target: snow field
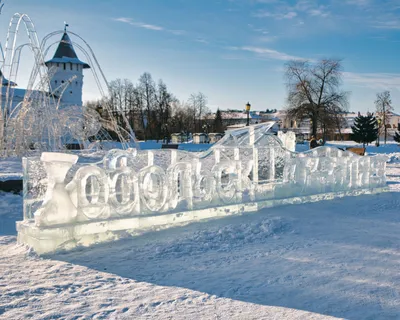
326,260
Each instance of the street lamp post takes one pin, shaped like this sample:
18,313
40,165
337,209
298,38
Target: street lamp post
248,106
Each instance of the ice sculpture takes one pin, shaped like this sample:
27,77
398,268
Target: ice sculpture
288,140
57,205
135,190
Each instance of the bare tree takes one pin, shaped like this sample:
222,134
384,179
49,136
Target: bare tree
120,102
332,120
339,122
182,117
313,92
147,91
384,108
151,110
192,104
198,104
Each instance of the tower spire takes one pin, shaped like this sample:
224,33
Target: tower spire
65,26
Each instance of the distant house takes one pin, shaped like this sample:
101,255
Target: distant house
200,138
233,119
215,137
178,137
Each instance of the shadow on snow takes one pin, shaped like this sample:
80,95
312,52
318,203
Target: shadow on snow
337,258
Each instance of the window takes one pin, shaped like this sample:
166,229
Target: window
70,92
65,66
58,64
77,67
71,66
55,81
76,82
62,81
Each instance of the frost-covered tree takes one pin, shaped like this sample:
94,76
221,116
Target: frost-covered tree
365,129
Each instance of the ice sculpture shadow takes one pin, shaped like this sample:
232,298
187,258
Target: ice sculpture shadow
299,257
11,208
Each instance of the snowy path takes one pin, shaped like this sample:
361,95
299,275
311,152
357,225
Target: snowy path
314,261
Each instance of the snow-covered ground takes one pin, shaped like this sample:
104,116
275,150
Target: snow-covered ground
332,259
336,259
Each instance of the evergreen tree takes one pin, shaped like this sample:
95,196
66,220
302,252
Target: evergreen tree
396,136
218,125
365,129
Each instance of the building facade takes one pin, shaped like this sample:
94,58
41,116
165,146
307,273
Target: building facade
237,119
67,73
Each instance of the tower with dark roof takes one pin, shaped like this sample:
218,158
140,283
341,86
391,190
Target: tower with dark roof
68,71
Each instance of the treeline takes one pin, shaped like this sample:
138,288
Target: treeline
154,112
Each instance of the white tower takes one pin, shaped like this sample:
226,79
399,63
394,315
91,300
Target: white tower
66,65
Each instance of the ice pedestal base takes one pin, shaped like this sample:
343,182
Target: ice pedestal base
46,240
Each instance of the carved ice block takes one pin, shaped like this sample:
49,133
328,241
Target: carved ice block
136,190
57,206
288,140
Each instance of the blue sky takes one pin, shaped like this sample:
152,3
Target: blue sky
233,51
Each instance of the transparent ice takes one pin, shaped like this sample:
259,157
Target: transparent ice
134,189
288,140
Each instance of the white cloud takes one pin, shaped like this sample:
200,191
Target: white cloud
285,11
267,39
290,15
148,26
318,13
373,80
261,31
276,15
268,53
304,5
140,24
267,1
299,23
263,14
202,40
388,24
358,2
